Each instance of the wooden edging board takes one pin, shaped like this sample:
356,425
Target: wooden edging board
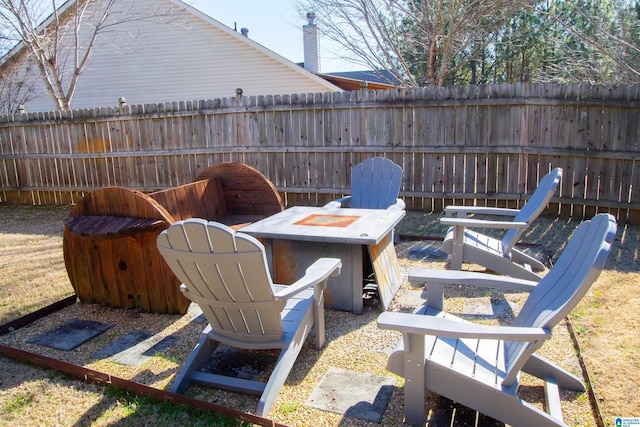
93,376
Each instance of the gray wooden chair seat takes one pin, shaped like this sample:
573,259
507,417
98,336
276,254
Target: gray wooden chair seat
226,274
499,255
479,365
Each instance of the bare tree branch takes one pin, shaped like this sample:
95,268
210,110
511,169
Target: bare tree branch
419,41
61,46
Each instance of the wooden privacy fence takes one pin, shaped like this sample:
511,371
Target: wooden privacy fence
485,145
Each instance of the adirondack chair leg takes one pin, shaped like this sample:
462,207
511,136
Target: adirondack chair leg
318,314
281,371
552,398
457,248
414,385
198,357
435,295
542,368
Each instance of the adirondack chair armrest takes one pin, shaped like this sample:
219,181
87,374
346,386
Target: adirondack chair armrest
342,202
419,277
399,205
463,211
481,223
317,273
448,328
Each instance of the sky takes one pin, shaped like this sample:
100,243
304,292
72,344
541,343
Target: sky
274,24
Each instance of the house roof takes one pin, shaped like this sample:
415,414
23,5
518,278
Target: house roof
382,77
246,39
360,80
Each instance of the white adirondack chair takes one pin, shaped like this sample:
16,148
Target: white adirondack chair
479,365
465,245
375,184
226,274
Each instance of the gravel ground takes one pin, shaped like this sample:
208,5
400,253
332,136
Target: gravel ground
353,342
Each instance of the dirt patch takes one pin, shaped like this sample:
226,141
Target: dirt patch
33,275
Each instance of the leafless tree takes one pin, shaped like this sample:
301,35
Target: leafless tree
16,88
60,36
422,42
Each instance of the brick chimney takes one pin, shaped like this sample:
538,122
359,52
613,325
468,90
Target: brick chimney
311,39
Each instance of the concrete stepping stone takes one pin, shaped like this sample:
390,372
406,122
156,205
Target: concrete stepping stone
427,253
354,394
488,307
71,334
122,344
135,348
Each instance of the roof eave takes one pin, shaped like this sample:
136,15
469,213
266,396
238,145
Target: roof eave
353,84
330,86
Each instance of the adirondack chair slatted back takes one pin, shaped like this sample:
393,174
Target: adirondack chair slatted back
226,274
563,287
534,207
375,183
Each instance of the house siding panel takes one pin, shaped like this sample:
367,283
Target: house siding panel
192,58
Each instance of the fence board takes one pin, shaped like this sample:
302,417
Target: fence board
485,145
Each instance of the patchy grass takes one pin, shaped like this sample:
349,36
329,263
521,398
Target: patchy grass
17,403
31,264
32,275
44,397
